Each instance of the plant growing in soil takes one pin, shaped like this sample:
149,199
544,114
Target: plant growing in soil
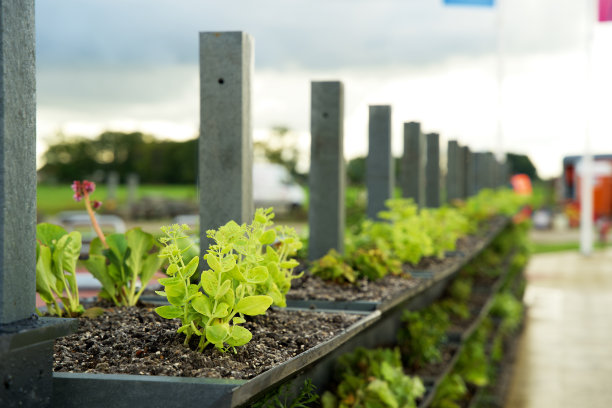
450,392
57,252
422,335
373,378
332,267
243,279
282,397
125,266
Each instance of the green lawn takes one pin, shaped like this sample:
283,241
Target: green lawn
543,248
52,199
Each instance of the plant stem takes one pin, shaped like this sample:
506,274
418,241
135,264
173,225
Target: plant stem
94,221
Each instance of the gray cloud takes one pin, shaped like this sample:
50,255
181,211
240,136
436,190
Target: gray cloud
305,33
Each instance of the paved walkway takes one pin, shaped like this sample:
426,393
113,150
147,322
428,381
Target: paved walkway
565,354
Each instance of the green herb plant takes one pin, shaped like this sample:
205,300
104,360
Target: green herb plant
57,252
333,267
422,335
373,378
240,270
451,391
283,398
125,266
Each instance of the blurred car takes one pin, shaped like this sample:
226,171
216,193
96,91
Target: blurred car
273,186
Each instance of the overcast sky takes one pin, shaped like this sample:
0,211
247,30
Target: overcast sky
133,65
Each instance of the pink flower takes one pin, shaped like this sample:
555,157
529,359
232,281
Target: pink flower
82,187
96,204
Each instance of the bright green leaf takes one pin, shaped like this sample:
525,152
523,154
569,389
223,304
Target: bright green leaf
254,305
238,336
169,312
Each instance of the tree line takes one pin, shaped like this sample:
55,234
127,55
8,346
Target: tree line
175,162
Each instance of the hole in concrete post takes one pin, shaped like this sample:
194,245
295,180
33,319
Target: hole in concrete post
221,81
325,115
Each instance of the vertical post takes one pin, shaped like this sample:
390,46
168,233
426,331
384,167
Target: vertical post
326,213
413,163
112,182
379,167
432,173
452,171
479,171
26,343
461,153
18,161
226,140
490,174
132,188
470,177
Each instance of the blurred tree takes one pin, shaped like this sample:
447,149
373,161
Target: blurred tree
356,171
280,148
521,164
165,162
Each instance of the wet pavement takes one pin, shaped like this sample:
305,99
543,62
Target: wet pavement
565,353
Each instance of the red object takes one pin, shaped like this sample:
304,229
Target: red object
521,183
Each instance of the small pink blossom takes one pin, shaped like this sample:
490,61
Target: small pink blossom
96,204
82,187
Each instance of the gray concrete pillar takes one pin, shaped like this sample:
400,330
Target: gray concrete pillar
17,160
379,166
112,183
432,172
480,171
132,188
452,171
326,213
413,163
470,176
226,133
26,342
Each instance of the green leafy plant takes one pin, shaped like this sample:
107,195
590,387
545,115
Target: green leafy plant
282,397
509,309
374,263
240,270
125,266
332,267
373,378
451,391
422,335
473,362
57,252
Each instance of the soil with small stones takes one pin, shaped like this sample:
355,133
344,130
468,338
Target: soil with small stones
314,288
137,341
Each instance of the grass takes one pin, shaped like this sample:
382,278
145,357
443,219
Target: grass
52,199
544,248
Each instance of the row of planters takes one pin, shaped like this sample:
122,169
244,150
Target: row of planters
249,321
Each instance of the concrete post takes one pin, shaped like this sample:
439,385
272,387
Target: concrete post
18,161
26,342
379,165
226,134
112,183
480,170
452,171
132,188
470,177
413,163
326,214
432,173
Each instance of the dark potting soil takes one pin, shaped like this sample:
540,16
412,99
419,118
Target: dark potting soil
314,288
435,370
137,341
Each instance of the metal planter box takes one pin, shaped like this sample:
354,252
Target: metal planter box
118,390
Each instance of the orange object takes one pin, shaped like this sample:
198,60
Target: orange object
602,196
521,183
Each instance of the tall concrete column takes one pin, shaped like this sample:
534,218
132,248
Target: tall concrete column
480,170
326,213
226,132
26,342
432,172
452,171
379,166
413,163
470,177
